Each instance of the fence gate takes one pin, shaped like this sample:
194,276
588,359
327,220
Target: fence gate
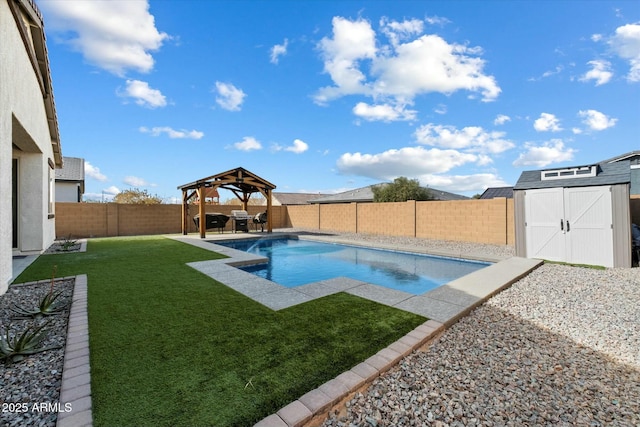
570,225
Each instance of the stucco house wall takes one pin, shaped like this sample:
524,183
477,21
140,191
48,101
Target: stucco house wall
28,135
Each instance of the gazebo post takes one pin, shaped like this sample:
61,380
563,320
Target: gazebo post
269,216
203,219
185,213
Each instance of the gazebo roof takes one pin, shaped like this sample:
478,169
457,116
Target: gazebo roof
239,180
234,179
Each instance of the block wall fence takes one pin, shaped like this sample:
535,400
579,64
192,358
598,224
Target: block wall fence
482,221
111,219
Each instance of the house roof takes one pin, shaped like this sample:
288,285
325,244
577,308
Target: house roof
295,198
493,192
365,194
607,174
72,169
632,156
35,42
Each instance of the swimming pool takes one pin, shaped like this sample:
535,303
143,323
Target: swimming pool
294,262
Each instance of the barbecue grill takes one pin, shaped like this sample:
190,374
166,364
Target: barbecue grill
240,221
212,221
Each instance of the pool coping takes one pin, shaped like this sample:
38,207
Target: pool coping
443,307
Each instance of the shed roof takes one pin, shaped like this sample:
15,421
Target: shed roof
607,174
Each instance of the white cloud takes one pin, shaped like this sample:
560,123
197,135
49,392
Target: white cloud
383,112
113,190
278,50
596,120
552,151
134,181
94,172
626,43
299,146
436,20
440,109
396,71
547,123
398,31
407,161
172,133
429,166
462,183
352,41
229,97
471,138
501,119
600,72
143,94
450,69
248,143
113,35
548,73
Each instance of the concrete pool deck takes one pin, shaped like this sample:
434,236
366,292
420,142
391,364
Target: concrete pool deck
443,306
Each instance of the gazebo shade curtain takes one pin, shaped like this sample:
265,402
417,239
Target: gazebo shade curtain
239,181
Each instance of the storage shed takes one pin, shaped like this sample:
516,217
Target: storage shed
578,215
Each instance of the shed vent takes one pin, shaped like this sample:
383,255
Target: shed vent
568,173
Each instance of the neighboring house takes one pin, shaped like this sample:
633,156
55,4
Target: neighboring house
493,192
365,194
283,199
29,138
70,180
634,162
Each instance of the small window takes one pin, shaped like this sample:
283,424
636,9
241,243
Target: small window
568,173
52,175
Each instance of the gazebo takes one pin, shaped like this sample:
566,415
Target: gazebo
239,181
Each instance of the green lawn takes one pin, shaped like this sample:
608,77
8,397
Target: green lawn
172,347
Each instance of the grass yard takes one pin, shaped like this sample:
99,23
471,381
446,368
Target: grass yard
172,347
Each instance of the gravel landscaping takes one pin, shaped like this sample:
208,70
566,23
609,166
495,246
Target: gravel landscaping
560,347
30,389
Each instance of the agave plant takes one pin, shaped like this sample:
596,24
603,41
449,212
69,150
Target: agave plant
48,305
67,244
15,349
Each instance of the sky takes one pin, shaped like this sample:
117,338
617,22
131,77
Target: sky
325,96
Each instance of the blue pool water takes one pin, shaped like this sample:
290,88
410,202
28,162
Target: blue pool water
294,262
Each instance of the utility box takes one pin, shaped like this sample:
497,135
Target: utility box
578,215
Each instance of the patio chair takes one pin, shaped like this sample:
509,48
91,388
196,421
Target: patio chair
260,219
635,244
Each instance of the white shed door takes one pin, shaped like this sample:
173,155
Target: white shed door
589,225
570,225
544,211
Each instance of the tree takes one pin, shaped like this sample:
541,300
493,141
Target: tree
136,196
401,190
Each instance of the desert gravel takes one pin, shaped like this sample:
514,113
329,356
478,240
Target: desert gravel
561,347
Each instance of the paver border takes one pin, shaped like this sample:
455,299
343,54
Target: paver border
75,390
